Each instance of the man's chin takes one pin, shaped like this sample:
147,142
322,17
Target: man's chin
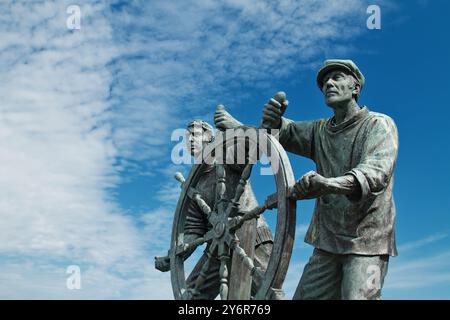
329,103
332,102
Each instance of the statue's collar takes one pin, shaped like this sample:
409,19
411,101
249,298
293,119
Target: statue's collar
361,114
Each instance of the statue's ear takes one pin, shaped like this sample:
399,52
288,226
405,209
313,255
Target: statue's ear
209,136
356,88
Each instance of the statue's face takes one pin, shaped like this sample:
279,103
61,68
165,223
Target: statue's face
196,139
339,88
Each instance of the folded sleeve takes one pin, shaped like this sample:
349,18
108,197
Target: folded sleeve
297,137
195,220
378,156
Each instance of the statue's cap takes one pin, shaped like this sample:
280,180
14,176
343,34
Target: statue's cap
205,125
336,64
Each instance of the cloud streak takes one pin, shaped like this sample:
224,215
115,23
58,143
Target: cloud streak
413,245
420,272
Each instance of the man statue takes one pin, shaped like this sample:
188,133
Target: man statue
197,225
352,228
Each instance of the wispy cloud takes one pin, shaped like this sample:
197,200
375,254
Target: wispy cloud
180,59
58,158
429,269
420,272
413,245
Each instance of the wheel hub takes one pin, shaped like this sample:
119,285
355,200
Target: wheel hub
219,229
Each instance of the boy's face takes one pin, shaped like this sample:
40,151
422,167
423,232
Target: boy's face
196,139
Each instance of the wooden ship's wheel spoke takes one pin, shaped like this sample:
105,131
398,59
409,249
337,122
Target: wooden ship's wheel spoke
221,188
224,256
190,246
203,274
233,206
202,204
246,260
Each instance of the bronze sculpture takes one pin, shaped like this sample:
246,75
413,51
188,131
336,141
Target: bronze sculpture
355,151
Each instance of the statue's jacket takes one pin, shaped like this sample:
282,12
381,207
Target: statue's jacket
196,222
366,147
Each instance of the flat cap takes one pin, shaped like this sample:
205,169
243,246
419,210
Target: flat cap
335,64
205,125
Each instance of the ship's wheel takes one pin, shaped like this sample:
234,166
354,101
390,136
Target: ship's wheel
226,219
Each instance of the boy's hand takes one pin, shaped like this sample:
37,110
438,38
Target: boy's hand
162,263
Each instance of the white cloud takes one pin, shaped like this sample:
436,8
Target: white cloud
44,279
57,158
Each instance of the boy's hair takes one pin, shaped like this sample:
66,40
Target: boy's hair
205,126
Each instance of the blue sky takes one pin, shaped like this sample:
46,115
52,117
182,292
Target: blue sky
87,116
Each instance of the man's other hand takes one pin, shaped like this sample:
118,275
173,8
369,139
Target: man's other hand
311,185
